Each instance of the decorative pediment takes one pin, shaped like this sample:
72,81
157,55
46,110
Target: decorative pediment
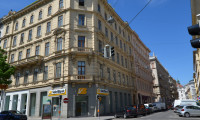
59,31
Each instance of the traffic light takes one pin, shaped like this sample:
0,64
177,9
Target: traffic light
194,30
112,51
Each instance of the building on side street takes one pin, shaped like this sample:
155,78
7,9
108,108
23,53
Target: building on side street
57,48
143,71
173,89
195,10
181,92
161,83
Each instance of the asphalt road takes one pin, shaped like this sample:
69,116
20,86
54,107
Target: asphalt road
165,115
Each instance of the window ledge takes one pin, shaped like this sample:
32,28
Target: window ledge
47,33
38,37
82,26
29,40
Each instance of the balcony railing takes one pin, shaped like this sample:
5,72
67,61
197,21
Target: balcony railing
81,78
28,61
80,49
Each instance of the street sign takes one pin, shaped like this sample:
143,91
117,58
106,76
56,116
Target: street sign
65,100
57,92
102,91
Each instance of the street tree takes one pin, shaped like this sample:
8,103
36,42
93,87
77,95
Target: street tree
6,70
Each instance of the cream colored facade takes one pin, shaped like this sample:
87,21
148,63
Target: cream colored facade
195,10
161,81
69,57
143,71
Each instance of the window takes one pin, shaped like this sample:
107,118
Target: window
14,40
30,35
40,15
124,47
123,34
61,4
20,55
99,8
7,29
118,58
59,44
130,50
108,70
100,46
17,79
119,77
101,70
113,58
128,38
49,10
31,19
47,49
35,74
126,64
120,30
16,26
27,53
60,21
81,2
81,68
106,31
122,60
22,38
114,76
48,27
111,36
24,23
5,44
38,31
58,70
37,50
115,26
99,24
81,20
26,77
117,41
81,43
45,72
12,58
121,44
106,16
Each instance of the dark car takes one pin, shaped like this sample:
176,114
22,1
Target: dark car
148,110
12,115
141,110
125,112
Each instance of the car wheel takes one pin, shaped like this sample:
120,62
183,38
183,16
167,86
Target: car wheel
116,116
125,116
180,115
187,115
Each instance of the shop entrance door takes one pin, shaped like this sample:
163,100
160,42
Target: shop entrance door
55,103
81,105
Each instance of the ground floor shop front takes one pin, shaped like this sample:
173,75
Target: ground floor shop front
82,101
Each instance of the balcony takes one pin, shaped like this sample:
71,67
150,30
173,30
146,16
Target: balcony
81,78
28,61
81,50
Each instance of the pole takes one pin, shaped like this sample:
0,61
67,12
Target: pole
98,109
59,106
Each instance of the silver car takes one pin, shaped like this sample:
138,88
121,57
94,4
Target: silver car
189,110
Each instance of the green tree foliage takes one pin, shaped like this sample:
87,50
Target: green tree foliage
6,70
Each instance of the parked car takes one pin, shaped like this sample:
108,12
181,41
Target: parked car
148,110
160,106
186,102
150,105
12,115
128,111
141,109
178,109
190,110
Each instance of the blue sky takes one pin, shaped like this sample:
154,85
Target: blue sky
162,26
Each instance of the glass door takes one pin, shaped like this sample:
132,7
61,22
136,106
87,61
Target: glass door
81,105
23,103
55,103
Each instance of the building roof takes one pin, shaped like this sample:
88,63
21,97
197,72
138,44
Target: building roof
179,85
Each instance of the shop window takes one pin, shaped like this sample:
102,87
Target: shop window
32,104
15,102
7,103
43,97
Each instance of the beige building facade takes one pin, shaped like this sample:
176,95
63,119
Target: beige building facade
143,71
161,81
57,45
195,10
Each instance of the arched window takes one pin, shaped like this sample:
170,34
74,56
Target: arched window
61,4
24,22
40,15
49,10
16,26
31,19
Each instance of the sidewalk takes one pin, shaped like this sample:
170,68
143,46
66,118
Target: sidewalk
79,118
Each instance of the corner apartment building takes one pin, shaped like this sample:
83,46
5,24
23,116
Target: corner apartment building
161,83
58,45
195,10
143,71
